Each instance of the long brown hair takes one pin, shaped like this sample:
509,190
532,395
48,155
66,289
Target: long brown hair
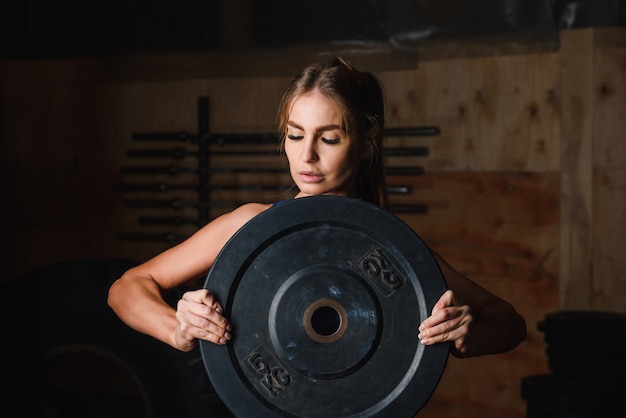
360,95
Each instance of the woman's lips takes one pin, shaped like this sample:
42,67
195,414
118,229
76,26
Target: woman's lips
310,177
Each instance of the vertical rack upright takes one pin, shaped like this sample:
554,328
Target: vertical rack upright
204,179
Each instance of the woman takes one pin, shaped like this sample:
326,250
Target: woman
331,121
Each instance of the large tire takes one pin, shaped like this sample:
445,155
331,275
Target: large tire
86,362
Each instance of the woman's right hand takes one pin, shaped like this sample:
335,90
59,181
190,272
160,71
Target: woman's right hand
199,316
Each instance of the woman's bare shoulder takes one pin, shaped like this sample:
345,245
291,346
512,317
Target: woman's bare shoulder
247,211
227,224
207,242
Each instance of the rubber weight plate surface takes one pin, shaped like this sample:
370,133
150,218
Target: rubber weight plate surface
325,295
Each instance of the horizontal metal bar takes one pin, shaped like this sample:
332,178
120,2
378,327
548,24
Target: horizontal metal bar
415,131
143,236
176,203
173,220
408,208
181,136
404,171
174,170
180,153
162,187
405,151
398,189
263,137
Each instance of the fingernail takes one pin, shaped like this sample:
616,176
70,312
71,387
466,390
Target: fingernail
228,336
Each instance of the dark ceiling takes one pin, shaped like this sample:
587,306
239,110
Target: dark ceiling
38,29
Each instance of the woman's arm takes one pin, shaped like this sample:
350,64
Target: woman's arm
474,319
137,296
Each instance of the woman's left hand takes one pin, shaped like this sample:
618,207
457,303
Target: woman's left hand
447,322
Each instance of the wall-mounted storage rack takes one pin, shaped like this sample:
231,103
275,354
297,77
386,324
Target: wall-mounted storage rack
229,169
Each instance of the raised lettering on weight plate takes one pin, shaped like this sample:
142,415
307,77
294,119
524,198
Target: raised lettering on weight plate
268,374
381,272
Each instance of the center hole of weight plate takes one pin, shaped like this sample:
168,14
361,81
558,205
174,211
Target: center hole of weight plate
325,321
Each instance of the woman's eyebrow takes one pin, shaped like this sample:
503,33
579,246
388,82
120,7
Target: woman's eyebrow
322,128
294,125
328,128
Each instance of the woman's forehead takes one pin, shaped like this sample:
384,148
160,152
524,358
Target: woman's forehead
315,106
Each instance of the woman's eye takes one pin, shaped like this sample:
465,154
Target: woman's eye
294,137
331,141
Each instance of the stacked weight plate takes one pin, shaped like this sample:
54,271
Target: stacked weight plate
585,351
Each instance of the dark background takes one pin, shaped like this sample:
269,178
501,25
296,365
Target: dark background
74,28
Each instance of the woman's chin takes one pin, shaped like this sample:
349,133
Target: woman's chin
308,189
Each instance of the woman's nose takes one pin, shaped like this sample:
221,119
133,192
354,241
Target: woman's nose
309,153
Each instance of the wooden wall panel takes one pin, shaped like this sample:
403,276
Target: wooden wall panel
496,113
492,188
502,231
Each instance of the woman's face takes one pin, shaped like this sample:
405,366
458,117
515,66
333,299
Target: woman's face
322,157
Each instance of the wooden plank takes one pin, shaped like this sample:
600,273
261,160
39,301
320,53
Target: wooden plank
609,263
609,162
576,168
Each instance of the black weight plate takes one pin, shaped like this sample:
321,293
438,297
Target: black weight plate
583,322
325,295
